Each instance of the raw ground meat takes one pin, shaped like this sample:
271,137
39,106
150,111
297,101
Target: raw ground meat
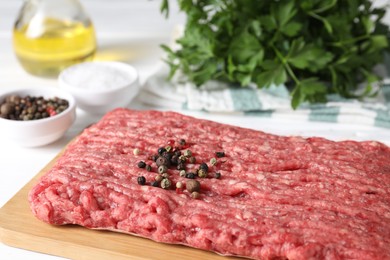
278,197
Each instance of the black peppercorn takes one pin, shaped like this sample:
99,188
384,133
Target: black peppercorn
154,157
175,160
190,175
220,154
167,155
141,164
182,142
155,184
217,175
141,180
161,150
181,166
148,168
204,167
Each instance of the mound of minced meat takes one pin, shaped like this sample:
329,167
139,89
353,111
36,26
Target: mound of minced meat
235,191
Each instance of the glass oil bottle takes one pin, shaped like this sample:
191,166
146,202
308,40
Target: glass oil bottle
50,35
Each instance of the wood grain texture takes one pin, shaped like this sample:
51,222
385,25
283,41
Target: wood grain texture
19,228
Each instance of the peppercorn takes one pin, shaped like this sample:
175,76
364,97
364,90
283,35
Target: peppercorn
179,185
187,153
181,166
177,153
165,183
7,108
141,180
175,160
182,173
155,183
202,173
141,164
168,156
158,178
154,157
148,168
192,159
195,195
136,151
182,158
161,160
165,175
162,169
204,167
15,107
182,142
192,185
161,150
220,154
213,161
217,175
190,175
168,148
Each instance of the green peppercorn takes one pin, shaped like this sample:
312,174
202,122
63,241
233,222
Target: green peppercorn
141,180
182,158
213,161
141,164
187,153
192,185
182,173
162,169
202,173
165,183
168,148
148,168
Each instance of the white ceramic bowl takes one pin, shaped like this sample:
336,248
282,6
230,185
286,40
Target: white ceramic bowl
99,87
38,132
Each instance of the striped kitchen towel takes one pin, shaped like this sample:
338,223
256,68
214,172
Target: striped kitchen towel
269,102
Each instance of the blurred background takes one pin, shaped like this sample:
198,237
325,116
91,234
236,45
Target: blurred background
129,31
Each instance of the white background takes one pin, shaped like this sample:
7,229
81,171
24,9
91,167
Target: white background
130,30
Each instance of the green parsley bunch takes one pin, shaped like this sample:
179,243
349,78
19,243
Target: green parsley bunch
315,47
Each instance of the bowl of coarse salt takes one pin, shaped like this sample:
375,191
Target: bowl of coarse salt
99,87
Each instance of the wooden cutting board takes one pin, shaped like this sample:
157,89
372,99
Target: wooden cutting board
19,228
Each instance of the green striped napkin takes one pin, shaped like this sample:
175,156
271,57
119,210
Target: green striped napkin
270,102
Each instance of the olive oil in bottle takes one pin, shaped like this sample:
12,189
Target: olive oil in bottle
46,44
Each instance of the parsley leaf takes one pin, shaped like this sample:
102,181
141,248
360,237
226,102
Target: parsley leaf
317,47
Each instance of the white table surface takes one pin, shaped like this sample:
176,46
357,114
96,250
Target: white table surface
130,31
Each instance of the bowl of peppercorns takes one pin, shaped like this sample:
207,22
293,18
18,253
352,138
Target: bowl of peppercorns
33,117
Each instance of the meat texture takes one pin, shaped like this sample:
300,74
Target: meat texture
278,197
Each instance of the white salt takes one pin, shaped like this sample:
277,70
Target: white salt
97,76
